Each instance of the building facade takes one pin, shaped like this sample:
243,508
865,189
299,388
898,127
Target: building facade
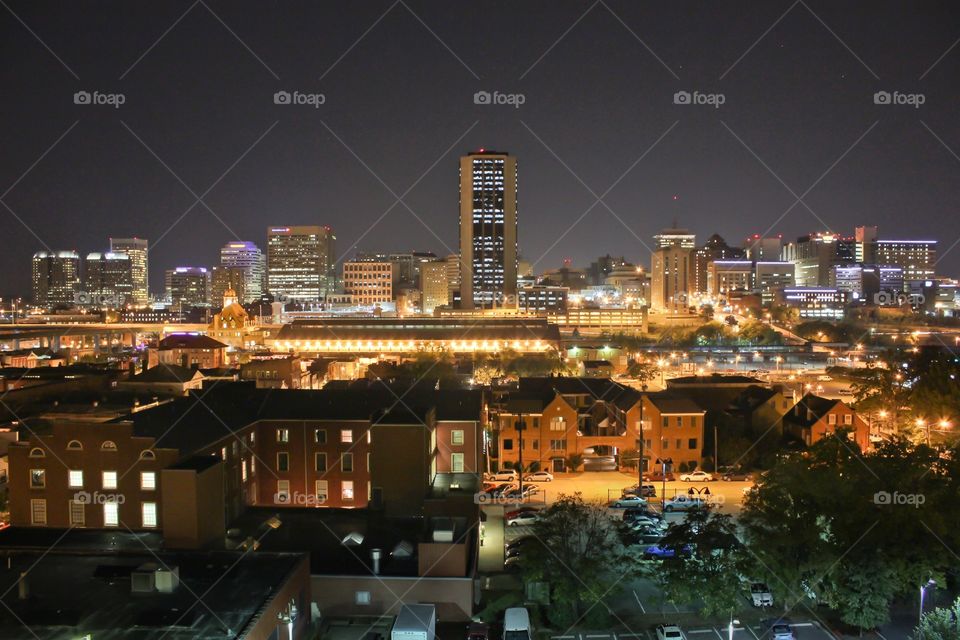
670,280
300,262
108,281
917,258
772,276
724,276
246,265
370,283
188,287
56,277
488,229
139,251
434,285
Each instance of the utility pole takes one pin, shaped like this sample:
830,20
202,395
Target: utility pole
643,399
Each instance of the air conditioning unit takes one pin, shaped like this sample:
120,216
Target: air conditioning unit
143,579
167,579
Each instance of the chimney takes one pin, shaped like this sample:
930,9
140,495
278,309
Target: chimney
375,555
23,588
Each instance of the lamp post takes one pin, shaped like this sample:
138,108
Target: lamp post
923,424
923,589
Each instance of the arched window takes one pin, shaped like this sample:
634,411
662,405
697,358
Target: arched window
146,454
74,445
37,452
108,445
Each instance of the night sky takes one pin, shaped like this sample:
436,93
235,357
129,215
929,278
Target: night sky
598,80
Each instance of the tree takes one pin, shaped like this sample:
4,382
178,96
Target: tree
579,554
706,562
573,461
756,332
643,371
940,624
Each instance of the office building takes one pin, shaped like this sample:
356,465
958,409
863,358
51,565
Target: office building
108,281
814,256
821,303
715,248
891,279
453,277
246,258
675,237
139,251
488,230
916,257
188,287
434,287
368,282
865,239
772,276
671,280
300,262
859,281
539,298
763,249
224,279
56,277
725,276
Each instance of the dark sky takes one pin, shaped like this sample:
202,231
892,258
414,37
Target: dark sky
199,79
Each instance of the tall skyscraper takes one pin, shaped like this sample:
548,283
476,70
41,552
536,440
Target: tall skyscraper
816,254
188,287
675,237
453,277
138,250
56,277
300,262
715,248
671,277
246,257
434,288
916,257
223,279
488,229
865,239
108,280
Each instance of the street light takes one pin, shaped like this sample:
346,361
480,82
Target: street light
923,589
920,422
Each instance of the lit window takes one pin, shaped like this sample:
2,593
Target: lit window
456,462
223,454
283,492
283,435
38,478
74,445
38,511
346,435
362,597
557,424
148,480
149,514
346,490
75,479
456,436
243,470
111,514
108,446
253,466
321,489
109,479
78,514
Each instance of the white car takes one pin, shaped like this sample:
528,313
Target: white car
696,476
684,503
538,476
626,502
760,595
824,378
527,517
508,475
670,632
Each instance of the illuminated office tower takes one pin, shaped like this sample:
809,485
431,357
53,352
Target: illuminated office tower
916,257
188,287
56,277
108,280
300,262
139,251
243,259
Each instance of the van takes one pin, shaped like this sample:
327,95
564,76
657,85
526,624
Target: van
516,624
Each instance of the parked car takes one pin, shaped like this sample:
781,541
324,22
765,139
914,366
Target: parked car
781,631
516,624
656,552
659,476
684,503
519,542
600,463
478,631
647,523
516,494
644,511
538,476
512,563
824,378
528,517
643,490
696,476
760,595
736,474
508,475
670,632
627,501
516,512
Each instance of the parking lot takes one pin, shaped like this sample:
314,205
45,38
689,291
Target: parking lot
801,631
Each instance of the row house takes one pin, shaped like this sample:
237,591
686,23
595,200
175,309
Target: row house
814,418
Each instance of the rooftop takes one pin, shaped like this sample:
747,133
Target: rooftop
189,341
420,329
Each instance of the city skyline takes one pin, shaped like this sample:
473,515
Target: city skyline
799,111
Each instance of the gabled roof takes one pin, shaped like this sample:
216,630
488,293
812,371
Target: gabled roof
810,409
667,402
752,397
167,373
604,389
189,341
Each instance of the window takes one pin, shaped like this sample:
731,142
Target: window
108,445
38,511
558,445
346,435
369,435
37,452
456,436
320,462
243,470
692,443
679,421
283,492
283,435
148,480
253,466
368,462
648,443
321,491
557,424
346,462
507,444
679,443
75,479
148,455
535,445
109,479
536,422
832,418
38,478
77,514
848,418
320,436
283,461
148,514
223,454
666,421
111,514
74,445
456,462
665,444
253,437
693,421
346,490
235,446
362,597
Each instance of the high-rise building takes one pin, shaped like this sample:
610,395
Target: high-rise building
816,254
108,280
675,237
763,249
139,251
715,248
725,276
369,282
488,229
224,279
671,280
434,288
188,287
246,257
773,276
916,257
453,277
300,262
865,247
56,277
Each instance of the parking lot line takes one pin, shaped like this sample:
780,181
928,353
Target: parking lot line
644,611
753,632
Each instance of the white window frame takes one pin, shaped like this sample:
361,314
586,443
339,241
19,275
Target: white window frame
75,478
106,480
148,485
454,458
321,489
346,436
362,598
78,513
111,507
38,507
148,515
456,437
